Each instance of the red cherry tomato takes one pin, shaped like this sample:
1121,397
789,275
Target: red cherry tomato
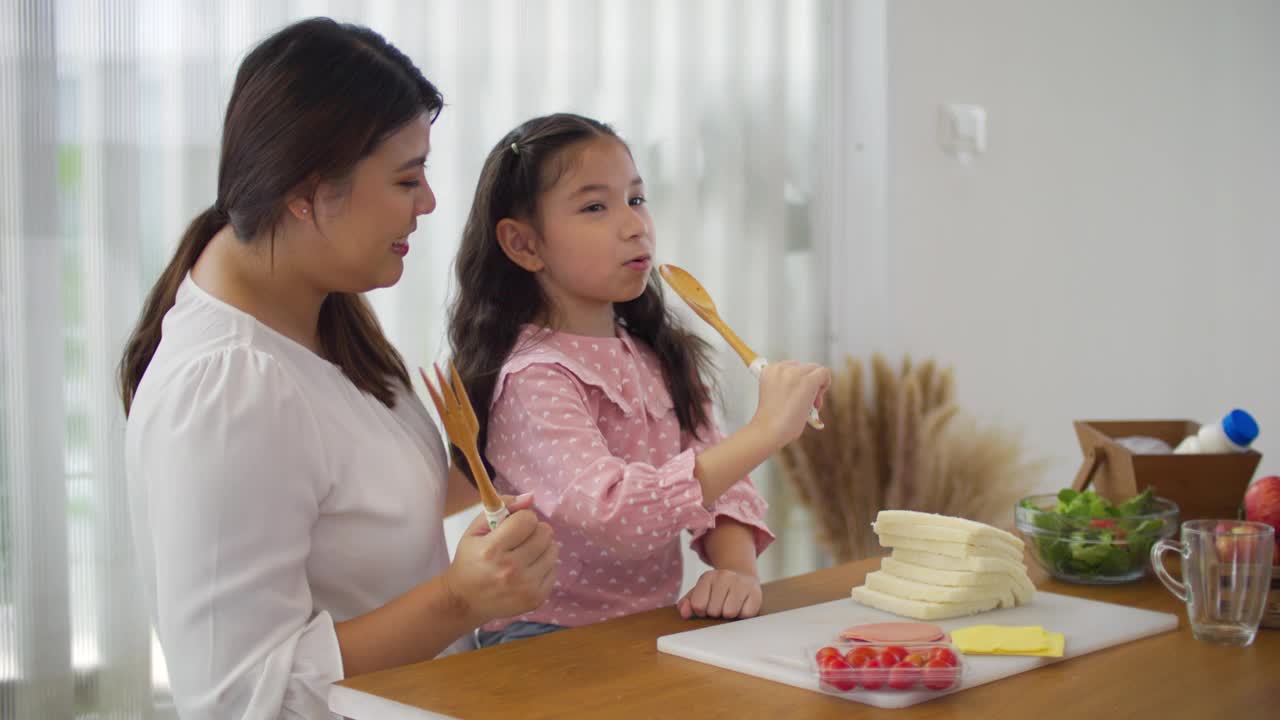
835,673
863,652
943,654
892,655
939,674
826,652
904,675
871,675
915,659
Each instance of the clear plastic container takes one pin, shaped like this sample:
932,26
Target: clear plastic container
861,666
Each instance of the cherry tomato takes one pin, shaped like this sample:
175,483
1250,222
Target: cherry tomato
863,652
871,674
892,655
903,675
826,652
939,674
835,673
915,659
943,654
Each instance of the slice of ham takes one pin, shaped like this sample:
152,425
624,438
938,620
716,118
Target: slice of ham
894,633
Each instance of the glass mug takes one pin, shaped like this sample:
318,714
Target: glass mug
1226,572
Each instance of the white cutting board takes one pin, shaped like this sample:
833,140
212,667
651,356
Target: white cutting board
773,646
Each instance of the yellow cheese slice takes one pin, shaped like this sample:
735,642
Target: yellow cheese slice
1007,640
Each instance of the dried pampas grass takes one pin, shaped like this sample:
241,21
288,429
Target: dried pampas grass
906,445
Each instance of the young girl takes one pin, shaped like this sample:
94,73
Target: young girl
596,400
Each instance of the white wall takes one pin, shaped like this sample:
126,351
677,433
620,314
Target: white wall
1115,253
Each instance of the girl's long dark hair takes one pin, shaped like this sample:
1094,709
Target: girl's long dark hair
496,297
308,103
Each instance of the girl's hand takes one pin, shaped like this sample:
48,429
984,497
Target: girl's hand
722,594
788,390
506,571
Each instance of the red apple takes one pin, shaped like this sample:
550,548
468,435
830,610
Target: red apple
1236,543
1262,504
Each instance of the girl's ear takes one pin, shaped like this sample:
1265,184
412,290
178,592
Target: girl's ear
516,239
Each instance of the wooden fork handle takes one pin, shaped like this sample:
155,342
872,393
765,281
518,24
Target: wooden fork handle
488,494
495,517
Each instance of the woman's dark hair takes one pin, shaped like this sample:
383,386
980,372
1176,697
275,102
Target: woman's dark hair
496,297
309,102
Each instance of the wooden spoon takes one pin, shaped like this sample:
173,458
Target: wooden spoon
699,300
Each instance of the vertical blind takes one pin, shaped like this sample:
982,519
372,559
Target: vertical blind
110,115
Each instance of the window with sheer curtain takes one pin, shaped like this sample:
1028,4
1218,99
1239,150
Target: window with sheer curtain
110,114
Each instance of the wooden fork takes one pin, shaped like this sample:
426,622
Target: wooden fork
463,428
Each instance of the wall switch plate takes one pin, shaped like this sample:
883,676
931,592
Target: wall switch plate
962,130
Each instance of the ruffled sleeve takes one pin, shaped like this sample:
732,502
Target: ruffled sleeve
741,502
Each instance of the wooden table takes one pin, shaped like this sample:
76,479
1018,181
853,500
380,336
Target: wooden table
613,670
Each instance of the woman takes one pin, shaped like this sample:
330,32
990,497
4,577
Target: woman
287,487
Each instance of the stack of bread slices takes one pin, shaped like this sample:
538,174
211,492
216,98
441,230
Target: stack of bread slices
943,567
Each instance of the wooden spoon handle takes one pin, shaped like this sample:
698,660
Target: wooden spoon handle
747,354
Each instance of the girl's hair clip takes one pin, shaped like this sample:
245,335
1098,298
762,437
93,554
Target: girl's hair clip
515,149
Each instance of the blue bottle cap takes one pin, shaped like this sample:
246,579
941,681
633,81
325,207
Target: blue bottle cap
1240,427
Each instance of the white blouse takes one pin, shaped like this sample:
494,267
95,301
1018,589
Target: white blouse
270,498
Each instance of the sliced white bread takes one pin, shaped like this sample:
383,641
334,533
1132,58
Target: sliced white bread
921,609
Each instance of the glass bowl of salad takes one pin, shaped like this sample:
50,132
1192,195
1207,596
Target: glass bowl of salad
1082,538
